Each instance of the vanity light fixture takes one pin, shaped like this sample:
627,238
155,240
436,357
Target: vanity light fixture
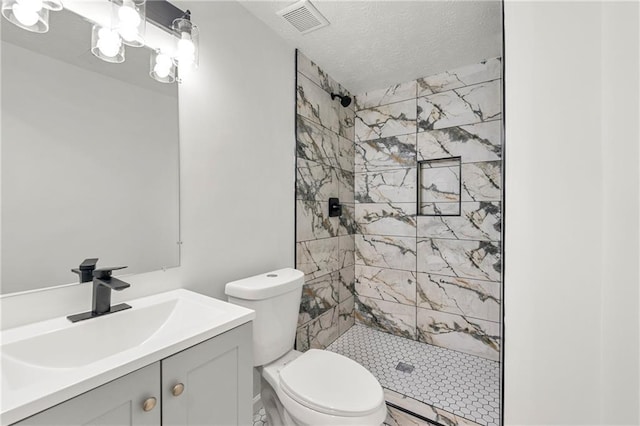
107,44
188,39
127,27
31,15
129,17
162,68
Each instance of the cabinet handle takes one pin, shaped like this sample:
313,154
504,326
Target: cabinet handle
177,389
149,404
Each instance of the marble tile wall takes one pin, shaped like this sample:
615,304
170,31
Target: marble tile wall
435,279
325,246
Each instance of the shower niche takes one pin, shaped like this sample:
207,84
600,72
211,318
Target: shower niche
440,187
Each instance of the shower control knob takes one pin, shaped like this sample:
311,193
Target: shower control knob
335,208
177,389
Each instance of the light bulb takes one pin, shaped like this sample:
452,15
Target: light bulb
186,50
163,60
109,42
33,5
185,45
108,49
27,11
162,67
24,15
162,71
129,17
128,33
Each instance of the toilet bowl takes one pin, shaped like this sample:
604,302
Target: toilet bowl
321,388
317,387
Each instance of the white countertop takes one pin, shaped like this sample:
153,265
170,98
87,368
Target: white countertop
46,363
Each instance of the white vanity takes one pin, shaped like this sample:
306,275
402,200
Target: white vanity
175,358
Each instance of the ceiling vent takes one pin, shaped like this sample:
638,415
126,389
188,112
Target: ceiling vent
304,16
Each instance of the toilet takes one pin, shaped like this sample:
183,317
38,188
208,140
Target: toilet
316,387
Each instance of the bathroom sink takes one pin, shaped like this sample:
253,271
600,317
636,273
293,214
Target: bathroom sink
48,362
90,341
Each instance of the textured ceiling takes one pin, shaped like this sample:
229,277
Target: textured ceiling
374,44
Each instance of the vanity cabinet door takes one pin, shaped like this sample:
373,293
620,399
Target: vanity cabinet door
210,383
120,402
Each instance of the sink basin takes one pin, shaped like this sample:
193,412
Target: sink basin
51,361
90,341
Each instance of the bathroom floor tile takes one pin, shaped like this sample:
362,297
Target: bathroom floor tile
449,381
260,418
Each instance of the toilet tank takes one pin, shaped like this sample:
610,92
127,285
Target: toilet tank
275,297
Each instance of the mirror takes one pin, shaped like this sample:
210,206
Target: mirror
90,157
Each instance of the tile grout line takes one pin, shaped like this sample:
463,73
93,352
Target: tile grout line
419,96
417,201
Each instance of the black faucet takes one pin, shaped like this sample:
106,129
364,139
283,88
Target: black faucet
103,283
85,270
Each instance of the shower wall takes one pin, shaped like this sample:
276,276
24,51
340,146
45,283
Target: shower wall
324,245
436,279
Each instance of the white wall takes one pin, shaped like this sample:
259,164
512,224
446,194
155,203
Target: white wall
571,262
238,150
620,207
237,167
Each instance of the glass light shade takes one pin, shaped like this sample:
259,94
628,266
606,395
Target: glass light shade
106,44
31,15
53,5
128,17
162,68
187,46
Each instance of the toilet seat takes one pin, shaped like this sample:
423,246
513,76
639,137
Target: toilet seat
302,415
331,384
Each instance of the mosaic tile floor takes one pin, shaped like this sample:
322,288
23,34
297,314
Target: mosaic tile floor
260,418
462,384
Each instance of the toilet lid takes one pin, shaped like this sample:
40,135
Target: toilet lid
332,384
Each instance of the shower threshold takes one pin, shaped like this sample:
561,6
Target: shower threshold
439,384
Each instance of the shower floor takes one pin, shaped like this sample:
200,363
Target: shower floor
444,385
